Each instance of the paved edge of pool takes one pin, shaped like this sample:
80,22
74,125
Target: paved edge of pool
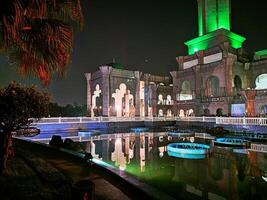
119,175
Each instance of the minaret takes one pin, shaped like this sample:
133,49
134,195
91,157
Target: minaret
214,26
213,15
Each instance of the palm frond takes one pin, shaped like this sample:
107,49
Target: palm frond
38,34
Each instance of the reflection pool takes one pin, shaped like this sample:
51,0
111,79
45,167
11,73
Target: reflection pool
225,173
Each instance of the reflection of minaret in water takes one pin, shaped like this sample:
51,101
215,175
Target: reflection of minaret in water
118,156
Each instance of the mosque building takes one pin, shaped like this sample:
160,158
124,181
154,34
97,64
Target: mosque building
216,78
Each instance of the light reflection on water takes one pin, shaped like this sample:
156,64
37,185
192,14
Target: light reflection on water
226,173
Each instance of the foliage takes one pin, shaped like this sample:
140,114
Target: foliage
68,110
38,34
18,104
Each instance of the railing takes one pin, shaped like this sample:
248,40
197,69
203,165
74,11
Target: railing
259,147
197,119
242,121
59,120
228,120
217,120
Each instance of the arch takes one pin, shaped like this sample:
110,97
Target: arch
237,82
212,86
96,109
219,112
181,113
169,100
123,101
169,113
261,82
186,92
186,87
206,112
160,113
190,112
160,99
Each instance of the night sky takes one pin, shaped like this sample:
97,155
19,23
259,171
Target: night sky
142,35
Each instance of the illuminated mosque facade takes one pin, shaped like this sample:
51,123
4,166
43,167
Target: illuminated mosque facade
216,78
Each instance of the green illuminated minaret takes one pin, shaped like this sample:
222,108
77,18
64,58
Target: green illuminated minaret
214,24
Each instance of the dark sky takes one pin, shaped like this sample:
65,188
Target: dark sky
143,35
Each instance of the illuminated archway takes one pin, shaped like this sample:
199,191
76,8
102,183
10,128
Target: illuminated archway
160,114
181,113
261,82
186,92
169,113
169,100
160,99
212,86
190,112
97,102
123,102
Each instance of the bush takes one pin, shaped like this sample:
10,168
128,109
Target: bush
56,141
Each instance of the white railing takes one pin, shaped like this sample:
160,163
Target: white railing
228,120
242,120
217,120
59,120
197,119
258,147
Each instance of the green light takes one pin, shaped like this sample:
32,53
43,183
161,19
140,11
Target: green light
200,20
213,15
261,53
224,15
213,39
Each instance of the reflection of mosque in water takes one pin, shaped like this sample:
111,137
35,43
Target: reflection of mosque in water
223,175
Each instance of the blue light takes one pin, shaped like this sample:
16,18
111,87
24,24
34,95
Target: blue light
230,142
188,150
186,156
177,134
84,133
139,129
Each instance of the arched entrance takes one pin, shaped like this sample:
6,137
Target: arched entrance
169,113
181,113
169,100
219,112
212,86
237,84
206,112
186,92
97,102
160,99
160,113
123,102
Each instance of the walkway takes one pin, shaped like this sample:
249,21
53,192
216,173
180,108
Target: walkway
76,170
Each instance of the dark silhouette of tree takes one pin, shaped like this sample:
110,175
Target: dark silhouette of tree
18,104
68,110
38,34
